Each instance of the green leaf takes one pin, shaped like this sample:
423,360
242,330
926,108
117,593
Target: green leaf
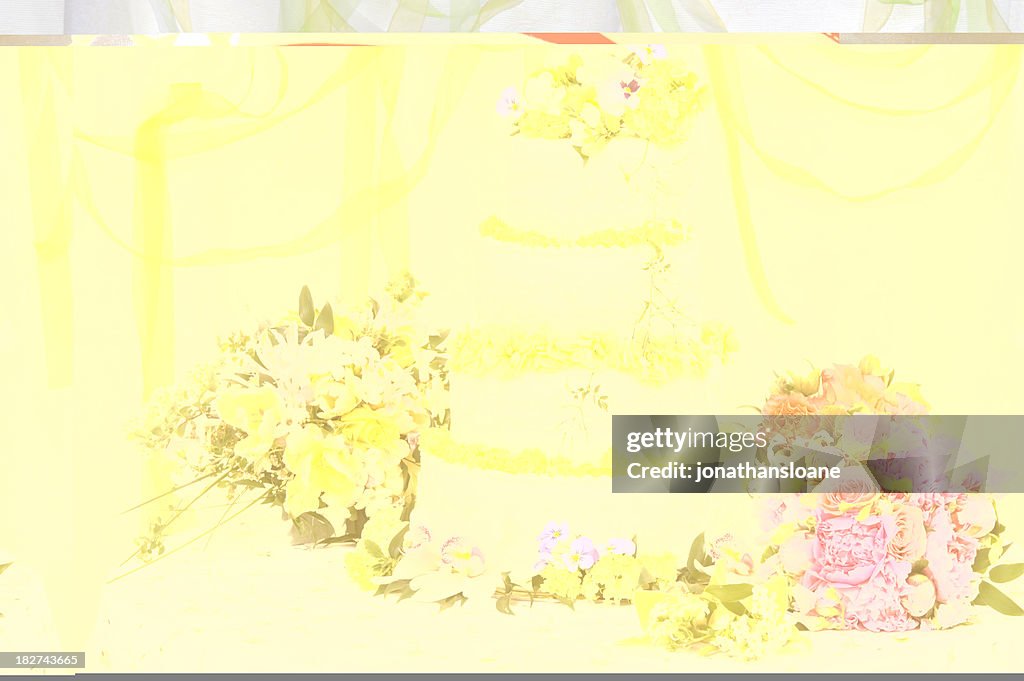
311,528
398,586
325,320
730,593
982,561
395,548
1001,574
251,484
306,310
4,566
989,595
457,599
373,549
504,605
735,607
696,552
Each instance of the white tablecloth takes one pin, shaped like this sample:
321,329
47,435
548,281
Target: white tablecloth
25,621
295,610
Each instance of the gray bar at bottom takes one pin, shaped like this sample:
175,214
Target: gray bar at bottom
47,660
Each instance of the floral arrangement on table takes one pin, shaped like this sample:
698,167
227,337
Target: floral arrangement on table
719,600
319,414
396,558
854,558
858,558
716,601
638,93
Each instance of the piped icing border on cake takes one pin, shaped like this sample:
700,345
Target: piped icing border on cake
655,233
440,444
506,352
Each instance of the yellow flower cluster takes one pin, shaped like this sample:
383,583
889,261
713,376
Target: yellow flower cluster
589,101
612,578
371,557
561,583
661,568
508,352
440,444
865,388
702,622
765,629
679,620
709,621
319,412
336,413
651,233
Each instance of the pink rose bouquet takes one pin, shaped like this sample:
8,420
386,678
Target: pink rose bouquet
859,559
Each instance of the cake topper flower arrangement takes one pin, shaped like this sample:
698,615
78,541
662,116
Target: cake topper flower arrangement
599,96
319,414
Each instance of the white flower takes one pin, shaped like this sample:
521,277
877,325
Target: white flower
384,382
612,79
510,104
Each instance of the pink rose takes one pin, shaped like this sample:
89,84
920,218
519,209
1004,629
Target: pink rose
905,405
789,404
919,596
877,604
848,386
935,503
911,539
849,552
851,498
950,559
975,515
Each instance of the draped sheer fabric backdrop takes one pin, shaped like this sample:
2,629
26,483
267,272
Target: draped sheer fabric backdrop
248,16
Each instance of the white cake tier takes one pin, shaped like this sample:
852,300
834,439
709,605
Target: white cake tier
504,513
572,290
627,183
553,412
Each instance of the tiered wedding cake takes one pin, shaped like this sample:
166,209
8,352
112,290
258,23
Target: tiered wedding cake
577,315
